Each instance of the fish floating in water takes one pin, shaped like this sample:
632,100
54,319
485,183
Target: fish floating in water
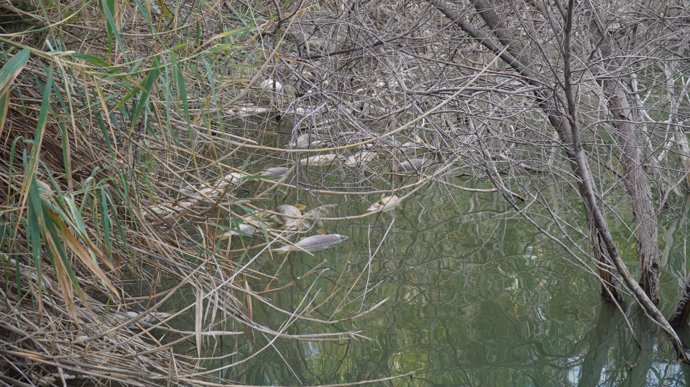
360,158
290,215
319,160
234,178
274,171
385,204
411,165
245,229
271,85
415,144
305,141
314,243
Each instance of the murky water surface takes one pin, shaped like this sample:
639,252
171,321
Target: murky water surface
473,298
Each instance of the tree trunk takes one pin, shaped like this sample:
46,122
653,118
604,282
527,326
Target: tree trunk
680,316
634,177
638,189
565,123
682,141
550,105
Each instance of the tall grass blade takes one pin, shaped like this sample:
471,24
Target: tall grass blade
8,73
32,163
69,104
33,230
166,11
181,92
4,108
145,13
108,7
145,92
105,219
86,258
210,75
12,68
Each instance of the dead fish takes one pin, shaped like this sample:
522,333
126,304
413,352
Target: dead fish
314,243
232,178
289,214
162,210
184,205
410,146
320,211
385,204
360,158
208,191
235,177
274,171
241,229
147,318
411,165
271,84
305,141
315,214
319,160
416,143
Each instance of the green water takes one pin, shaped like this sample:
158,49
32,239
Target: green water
474,298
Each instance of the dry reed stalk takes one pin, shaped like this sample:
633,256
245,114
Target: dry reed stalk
117,178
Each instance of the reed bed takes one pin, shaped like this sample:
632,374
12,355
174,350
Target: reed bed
123,128
145,147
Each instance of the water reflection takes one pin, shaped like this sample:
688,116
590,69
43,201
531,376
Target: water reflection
473,299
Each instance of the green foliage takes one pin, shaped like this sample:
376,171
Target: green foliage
11,69
108,7
145,92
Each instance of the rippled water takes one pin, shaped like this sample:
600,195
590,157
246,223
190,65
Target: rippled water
473,298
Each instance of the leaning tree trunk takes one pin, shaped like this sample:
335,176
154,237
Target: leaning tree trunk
636,181
640,192
551,105
684,149
561,113
682,312
634,177
681,315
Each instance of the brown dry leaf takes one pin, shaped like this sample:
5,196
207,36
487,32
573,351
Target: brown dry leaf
73,243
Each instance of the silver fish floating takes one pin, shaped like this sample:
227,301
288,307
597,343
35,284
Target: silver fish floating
234,178
274,171
360,158
162,210
305,141
319,160
314,243
385,204
290,215
246,229
271,84
416,143
208,192
184,205
411,165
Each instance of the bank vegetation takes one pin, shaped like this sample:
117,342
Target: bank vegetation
157,151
